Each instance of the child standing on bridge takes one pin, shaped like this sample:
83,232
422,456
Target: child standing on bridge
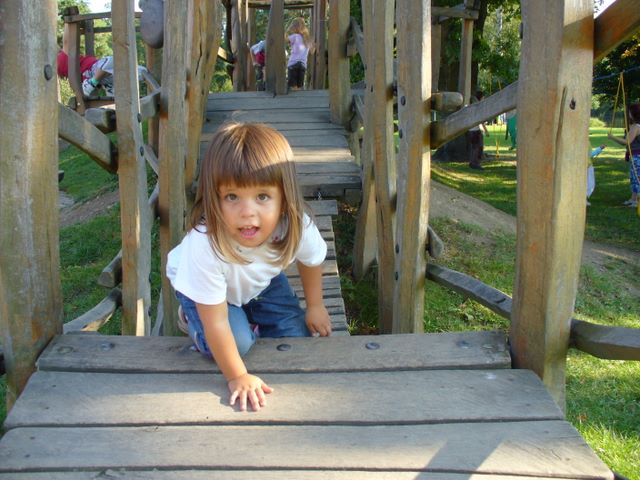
300,43
247,225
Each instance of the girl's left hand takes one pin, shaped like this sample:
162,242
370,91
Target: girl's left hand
318,321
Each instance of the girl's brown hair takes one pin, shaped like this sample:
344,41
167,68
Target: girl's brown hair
297,25
246,155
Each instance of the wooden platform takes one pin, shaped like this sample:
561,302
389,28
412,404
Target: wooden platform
439,406
321,151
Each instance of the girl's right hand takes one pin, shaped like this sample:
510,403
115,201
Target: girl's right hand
250,387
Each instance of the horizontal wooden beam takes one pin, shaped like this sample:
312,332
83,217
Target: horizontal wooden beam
446,101
614,25
439,14
266,4
92,320
492,298
104,119
602,341
90,16
459,122
76,130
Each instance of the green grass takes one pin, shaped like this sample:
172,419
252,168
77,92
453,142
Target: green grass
608,221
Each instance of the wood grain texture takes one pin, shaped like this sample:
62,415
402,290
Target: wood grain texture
172,354
527,448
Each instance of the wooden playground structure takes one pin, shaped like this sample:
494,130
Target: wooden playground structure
399,405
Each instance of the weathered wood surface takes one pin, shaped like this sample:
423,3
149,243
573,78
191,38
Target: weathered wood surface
551,182
221,474
467,350
106,399
325,165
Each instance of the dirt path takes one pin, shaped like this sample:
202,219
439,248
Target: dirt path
447,202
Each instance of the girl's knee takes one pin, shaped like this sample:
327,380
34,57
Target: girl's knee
244,342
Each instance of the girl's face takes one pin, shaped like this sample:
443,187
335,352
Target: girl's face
250,214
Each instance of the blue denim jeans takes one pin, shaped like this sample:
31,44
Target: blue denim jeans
276,311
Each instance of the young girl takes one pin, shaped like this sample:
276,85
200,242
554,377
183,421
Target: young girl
633,142
300,43
247,224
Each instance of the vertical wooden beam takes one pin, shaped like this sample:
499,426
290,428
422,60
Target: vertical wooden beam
89,38
204,34
30,291
238,44
554,100
320,36
173,148
276,65
135,220
436,49
466,47
154,65
72,42
380,59
365,246
339,81
251,40
413,20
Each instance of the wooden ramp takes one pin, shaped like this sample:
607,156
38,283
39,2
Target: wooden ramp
324,162
440,406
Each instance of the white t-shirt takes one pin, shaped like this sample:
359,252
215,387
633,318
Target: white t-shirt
195,270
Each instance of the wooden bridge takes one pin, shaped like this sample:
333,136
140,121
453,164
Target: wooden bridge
398,406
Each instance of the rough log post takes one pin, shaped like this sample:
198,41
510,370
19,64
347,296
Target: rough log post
89,38
413,20
71,42
365,245
30,291
238,44
320,35
466,47
135,220
276,65
339,82
154,64
205,38
554,100
173,148
436,48
380,59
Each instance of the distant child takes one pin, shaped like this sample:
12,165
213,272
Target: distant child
96,73
248,223
591,174
258,57
632,143
300,42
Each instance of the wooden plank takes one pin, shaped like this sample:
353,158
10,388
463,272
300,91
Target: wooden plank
135,220
283,127
614,25
323,207
266,101
527,448
79,132
603,341
97,316
333,354
54,399
339,82
555,102
414,165
30,290
139,474
330,141
272,116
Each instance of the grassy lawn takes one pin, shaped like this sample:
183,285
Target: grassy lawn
603,397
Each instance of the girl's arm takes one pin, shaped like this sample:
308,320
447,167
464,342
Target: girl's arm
317,317
219,337
634,131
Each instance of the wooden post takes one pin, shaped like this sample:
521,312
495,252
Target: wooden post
30,291
132,174
466,47
89,38
379,45
205,38
238,45
154,64
71,41
436,48
276,65
320,36
554,101
339,80
173,148
251,40
413,20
